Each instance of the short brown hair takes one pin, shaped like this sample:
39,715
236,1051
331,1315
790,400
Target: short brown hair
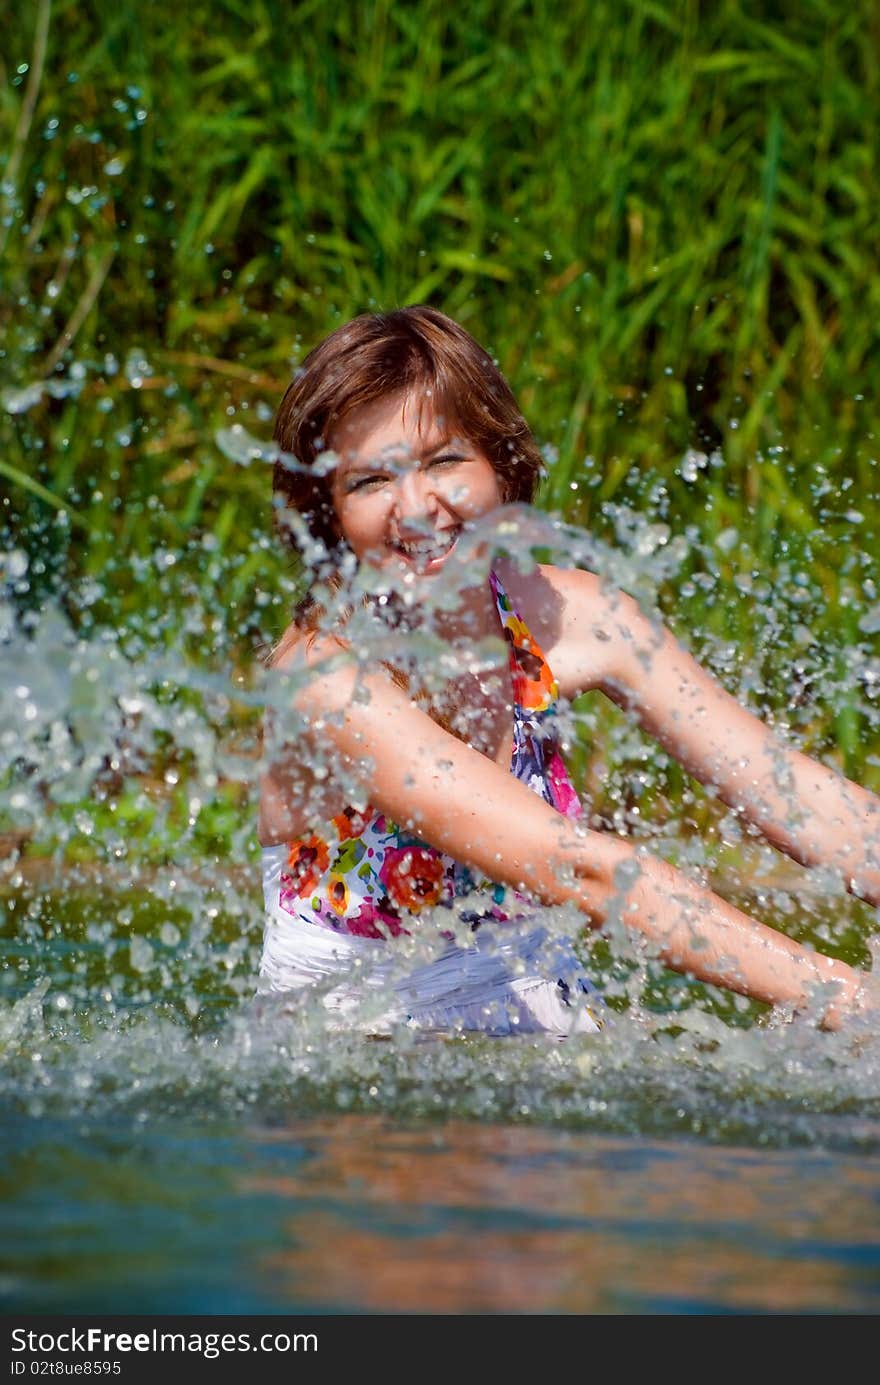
376,354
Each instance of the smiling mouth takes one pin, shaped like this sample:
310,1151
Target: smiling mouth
428,550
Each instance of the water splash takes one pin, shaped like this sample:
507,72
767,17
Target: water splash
132,918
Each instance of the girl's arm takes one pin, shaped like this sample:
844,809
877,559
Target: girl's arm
801,806
463,803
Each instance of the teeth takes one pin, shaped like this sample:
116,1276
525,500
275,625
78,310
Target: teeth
433,547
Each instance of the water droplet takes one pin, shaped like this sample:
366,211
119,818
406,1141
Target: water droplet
692,464
727,540
15,562
18,401
141,954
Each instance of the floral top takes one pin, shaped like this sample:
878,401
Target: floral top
363,875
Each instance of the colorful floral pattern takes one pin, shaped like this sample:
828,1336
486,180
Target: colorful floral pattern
364,875
413,876
307,861
536,760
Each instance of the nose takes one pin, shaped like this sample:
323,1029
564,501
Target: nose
415,500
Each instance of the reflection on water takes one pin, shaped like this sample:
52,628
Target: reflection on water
501,1220
362,1214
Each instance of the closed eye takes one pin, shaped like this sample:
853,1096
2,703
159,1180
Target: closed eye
446,459
372,480
365,481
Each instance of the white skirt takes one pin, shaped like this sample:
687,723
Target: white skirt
512,978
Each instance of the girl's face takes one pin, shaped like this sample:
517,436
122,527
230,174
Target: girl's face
405,485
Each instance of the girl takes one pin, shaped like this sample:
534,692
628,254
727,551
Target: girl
420,792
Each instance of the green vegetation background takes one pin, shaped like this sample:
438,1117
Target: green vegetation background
659,215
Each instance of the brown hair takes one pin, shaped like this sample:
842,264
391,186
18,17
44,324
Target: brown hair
376,354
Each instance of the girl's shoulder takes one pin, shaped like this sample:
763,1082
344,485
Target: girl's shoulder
300,646
548,597
580,621
571,582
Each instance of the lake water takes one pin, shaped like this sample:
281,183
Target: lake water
160,1161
